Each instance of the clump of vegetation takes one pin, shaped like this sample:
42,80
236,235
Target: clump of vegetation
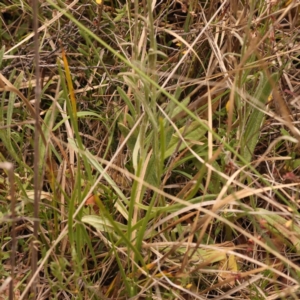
162,160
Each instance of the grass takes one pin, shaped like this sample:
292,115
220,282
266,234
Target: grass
164,163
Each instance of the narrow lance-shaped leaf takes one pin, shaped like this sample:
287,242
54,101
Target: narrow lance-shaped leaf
252,131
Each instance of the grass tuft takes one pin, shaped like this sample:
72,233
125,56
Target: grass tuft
169,150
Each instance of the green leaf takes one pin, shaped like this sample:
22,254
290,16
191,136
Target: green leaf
256,118
192,135
2,54
279,226
103,224
127,101
132,139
